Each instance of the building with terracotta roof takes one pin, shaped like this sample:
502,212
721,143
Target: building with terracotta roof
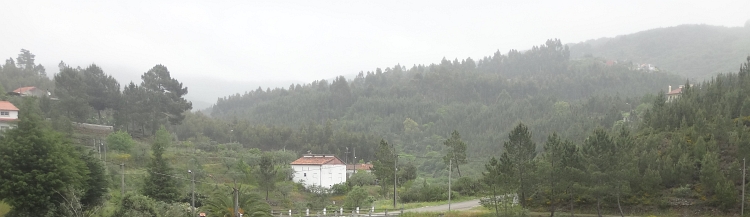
323,170
8,115
351,169
674,94
30,91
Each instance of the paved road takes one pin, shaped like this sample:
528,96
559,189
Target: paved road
442,208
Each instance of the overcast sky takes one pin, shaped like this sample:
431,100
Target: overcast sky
221,47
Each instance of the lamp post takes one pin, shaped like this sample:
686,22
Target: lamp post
192,200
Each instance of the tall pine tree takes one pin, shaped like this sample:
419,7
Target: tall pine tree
159,184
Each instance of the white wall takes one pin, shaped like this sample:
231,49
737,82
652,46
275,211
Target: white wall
12,114
8,125
325,175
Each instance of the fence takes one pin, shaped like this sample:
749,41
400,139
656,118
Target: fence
357,212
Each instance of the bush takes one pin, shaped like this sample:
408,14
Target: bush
339,189
120,141
424,193
467,186
683,192
357,197
361,178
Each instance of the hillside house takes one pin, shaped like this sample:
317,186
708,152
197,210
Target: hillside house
351,169
30,91
8,115
323,170
674,94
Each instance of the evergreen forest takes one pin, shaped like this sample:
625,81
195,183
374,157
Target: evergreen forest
552,129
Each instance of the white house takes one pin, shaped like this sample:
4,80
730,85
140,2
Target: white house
323,170
8,115
672,95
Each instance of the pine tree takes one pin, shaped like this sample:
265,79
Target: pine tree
159,183
456,151
38,165
521,150
382,167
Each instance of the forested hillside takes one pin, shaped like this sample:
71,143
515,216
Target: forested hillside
693,51
417,108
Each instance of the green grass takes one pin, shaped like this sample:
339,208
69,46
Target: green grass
468,213
4,209
388,204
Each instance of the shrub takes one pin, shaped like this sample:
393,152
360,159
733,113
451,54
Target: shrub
361,178
424,193
467,186
339,189
120,141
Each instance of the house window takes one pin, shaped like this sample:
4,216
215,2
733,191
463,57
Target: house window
4,113
305,174
3,128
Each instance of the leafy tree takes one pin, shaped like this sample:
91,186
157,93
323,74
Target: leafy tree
2,93
103,90
267,174
159,183
382,167
164,97
456,151
133,204
521,152
357,197
361,178
38,165
120,141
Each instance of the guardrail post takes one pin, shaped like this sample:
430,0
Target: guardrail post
307,212
386,212
324,211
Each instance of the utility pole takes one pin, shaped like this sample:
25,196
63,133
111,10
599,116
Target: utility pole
236,200
192,199
98,148
122,179
105,150
743,187
395,180
450,172
355,160
346,158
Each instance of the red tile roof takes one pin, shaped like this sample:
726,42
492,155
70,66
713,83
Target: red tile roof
8,120
24,89
7,106
313,159
675,91
360,167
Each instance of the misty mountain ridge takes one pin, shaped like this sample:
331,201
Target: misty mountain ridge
697,52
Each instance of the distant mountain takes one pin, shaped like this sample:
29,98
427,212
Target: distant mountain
414,108
693,51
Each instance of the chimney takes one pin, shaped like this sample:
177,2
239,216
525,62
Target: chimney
670,89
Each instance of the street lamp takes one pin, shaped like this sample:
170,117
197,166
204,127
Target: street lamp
192,201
